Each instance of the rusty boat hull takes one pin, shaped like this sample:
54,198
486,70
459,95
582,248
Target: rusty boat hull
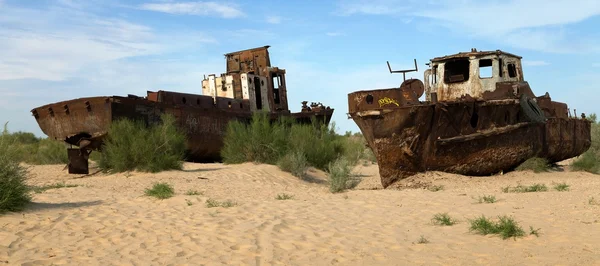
448,137
85,122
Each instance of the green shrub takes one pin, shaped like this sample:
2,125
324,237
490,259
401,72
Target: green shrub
261,141
26,147
211,203
524,189
284,196
355,148
295,163
266,141
443,219
50,152
506,227
590,160
487,199
160,191
339,175
131,145
14,192
537,165
561,187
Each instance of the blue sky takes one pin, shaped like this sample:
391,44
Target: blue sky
58,50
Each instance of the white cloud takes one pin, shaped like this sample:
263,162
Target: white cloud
334,34
535,63
54,44
372,7
195,8
530,24
273,19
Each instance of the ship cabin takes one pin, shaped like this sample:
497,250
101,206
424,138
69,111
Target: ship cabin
477,74
250,80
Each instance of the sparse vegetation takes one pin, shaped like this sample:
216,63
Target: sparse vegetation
14,192
284,196
506,227
443,219
188,202
422,240
160,191
192,192
590,160
593,201
435,188
26,147
487,199
535,164
131,145
295,163
211,203
41,189
535,232
561,187
339,175
523,189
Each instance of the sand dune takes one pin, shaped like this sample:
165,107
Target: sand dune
107,220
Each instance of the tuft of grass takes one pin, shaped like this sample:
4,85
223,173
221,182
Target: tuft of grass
487,199
593,201
294,163
284,196
339,175
40,189
189,202
443,219
192,192
535,232
535,164
589,161
506,227
131,145
422,240
160,191
211,203
435,188
228,204
561,187
14,192
524,189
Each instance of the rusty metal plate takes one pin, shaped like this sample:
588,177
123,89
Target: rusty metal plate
78,161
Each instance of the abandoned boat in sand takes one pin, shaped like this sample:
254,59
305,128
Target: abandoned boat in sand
479,117
249,85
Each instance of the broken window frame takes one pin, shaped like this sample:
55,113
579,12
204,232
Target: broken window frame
512,70
457,70
489,68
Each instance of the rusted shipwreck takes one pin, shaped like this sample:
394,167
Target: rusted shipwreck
250,84
479,117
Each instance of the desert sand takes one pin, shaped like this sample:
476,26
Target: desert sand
107,220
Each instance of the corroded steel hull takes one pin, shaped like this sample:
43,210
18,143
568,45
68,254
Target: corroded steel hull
85,122
463,137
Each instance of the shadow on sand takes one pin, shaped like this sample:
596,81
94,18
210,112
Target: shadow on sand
40,206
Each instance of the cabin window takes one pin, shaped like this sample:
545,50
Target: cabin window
456,71
434,74
485,68
512,70
276,85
